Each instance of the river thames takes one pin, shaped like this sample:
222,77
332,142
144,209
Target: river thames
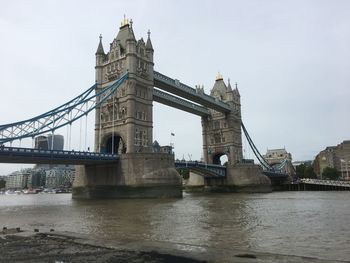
314,224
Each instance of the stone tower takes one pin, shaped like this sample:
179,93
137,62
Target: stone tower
124,123
124,126
222,132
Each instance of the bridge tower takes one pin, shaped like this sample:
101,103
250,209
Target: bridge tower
222,136
124,123
222,131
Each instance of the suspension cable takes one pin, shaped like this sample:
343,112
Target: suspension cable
99,132
256,152
60,116
86,118
113,126
80,124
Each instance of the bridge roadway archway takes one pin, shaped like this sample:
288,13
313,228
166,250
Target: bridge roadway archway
220,158
114,144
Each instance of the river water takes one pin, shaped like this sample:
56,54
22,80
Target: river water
315,224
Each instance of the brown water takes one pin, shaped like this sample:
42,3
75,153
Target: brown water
313,224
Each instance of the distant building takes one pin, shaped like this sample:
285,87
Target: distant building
59,177
166,149
275,157
156,146
306,163
17,180
337,157
2,181
36,178
162,149
49,142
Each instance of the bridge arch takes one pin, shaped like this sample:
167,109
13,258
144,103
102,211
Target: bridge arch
220,158
113,143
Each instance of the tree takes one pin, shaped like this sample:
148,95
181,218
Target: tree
299,170
330,173
305,171
309,172
185,173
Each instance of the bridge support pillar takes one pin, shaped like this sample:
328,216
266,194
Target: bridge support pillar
247,178
138,175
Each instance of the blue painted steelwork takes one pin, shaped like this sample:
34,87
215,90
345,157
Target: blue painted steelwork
60,116
176,87
173,101
275,174
268,169
28,155
208,170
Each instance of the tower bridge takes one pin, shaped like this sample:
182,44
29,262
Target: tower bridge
123,163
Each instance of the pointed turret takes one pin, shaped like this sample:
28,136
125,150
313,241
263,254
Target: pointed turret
100,50
149,42
229,85
100,56
236,91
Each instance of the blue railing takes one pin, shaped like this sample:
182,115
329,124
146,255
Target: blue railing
17,152
210,169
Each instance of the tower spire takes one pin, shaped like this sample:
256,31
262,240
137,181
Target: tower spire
149,43
124,22
100,50
229,84
218,76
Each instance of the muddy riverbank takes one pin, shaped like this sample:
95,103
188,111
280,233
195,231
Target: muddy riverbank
62,247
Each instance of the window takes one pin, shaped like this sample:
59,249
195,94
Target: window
216,125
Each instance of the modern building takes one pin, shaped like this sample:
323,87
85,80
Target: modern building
337,157
36,178
49,142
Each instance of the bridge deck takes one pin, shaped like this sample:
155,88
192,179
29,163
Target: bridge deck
210,170
35,156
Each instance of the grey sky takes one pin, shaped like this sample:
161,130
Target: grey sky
291,60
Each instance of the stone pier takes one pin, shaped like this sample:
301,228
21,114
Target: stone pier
138,175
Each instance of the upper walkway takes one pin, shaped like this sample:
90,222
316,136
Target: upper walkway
36,156
178,103
174,86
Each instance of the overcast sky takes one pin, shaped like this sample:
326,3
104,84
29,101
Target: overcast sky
291,60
